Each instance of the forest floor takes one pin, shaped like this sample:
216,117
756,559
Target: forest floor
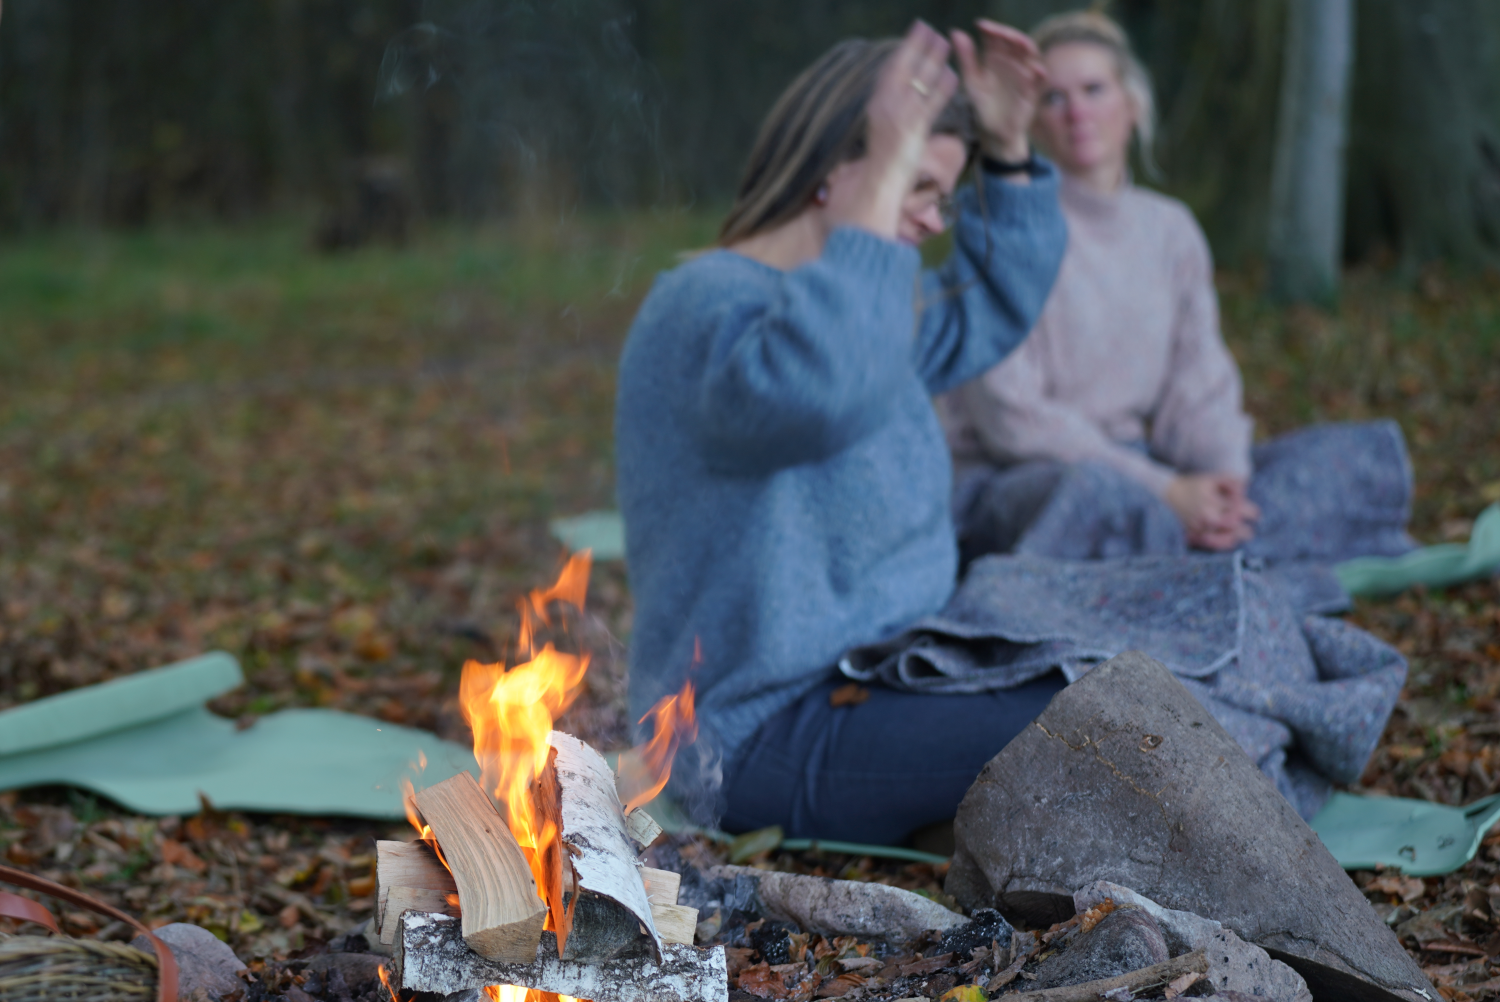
340,469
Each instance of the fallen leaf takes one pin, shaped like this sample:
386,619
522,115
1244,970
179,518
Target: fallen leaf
1408,889
737,959
964,993
174,852
927,965
760,980
1179,985
839,986
752,844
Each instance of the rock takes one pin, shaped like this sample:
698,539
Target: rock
1125,940
357,971
838,907
203,960
985,927
1234,965
1125,777
1184,931
354,941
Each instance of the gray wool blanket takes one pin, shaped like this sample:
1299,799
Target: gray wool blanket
1306,697
1327,493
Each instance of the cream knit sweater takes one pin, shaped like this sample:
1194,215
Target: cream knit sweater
1127,351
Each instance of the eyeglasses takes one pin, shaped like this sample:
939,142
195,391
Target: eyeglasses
926,195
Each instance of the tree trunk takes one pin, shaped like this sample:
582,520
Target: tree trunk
1307,180
1425,145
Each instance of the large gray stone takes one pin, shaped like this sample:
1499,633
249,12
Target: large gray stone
203,960
1125,777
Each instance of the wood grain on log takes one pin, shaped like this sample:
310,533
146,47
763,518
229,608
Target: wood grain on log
502,913
412,899
430,956
662,886
1154,976
676,923
604,865
407,864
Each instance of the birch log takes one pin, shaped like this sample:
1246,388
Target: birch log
612,905
502,913
430,956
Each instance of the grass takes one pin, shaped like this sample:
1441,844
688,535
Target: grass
340,469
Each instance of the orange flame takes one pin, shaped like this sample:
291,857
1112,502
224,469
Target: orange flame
515,993
644,770
511,714
414,818
385,979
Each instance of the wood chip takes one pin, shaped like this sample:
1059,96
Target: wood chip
675,923
662,886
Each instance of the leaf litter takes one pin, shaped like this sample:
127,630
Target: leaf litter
349,492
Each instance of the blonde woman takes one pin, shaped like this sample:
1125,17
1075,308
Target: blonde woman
1119,423
784,481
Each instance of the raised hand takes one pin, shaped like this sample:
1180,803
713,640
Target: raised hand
1004,82
913,88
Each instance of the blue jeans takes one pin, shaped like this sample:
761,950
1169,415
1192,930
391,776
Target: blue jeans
878,771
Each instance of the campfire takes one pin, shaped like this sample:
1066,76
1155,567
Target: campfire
526,883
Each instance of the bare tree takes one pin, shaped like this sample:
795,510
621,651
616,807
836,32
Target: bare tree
1307,181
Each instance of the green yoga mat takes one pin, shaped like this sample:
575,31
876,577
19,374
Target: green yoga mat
1434,566
146,742
603,532
1414,836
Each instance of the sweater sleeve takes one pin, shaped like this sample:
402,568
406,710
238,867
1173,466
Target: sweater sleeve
805,373
1199,424
981,303
1013,418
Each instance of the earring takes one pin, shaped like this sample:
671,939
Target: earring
820,197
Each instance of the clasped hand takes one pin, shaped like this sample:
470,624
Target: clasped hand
1214,510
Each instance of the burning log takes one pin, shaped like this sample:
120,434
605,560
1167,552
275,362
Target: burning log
611,904
431,956
421,883
502,913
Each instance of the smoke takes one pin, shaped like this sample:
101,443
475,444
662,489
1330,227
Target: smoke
544,104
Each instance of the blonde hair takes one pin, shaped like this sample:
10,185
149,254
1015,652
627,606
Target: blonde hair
817,124
1094,27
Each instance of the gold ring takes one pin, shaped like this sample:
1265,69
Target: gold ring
919,87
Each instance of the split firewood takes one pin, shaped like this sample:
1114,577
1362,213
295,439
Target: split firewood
413,899
430,956
676,923
662,886
502,913
407,864
1136,982
604,865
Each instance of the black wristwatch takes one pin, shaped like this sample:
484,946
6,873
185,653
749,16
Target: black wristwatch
992,166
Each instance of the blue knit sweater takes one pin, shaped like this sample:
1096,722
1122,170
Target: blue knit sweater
783,477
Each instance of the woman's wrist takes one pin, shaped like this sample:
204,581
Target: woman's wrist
1011,151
